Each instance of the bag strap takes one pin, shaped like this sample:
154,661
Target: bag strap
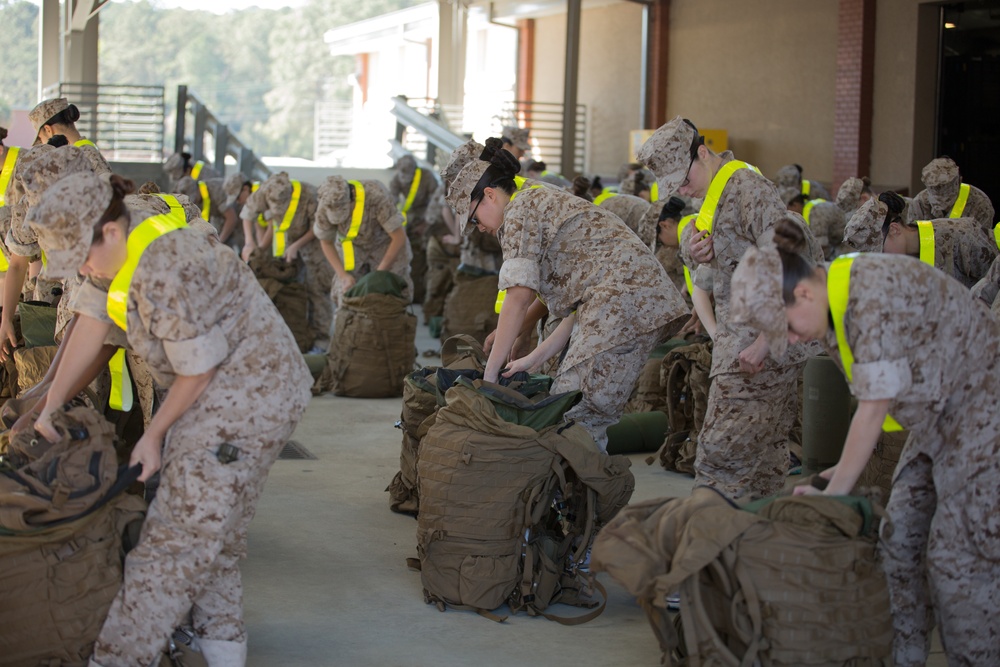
584,618
457,347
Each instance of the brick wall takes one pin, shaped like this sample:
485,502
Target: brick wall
852,124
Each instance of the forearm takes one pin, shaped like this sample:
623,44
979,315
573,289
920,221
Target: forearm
332,256
515,306
264,236
13,284
82,353
702,301
303,240
449,219
555,342
185,391
536,311
249,233
866,427
396,244
228,226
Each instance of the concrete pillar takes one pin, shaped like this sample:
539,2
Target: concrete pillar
80,43
574,11
49,45
658,62
451,45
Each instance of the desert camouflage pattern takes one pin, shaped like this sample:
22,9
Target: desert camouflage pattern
399,189
631,210
667,153
271,200
789,176
827,223
987,289
963,249
381,218
931,205
863,232
849,195
918,340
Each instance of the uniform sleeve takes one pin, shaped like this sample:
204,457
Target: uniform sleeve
522,249
384,210
987,288
980,208
878,372
703,278
91,300
760,207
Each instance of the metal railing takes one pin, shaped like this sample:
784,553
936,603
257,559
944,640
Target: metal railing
126,122
334,123
545,122
200,133
433,139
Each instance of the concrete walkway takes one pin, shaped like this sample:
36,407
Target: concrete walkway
326,581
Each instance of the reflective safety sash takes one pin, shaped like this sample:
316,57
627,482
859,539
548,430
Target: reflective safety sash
176,208
838,284
196,169
654,192
806,187
121,382
414,186
281,230
254,187
926,230
4,264
684,222
963,199
140,239
502,294
996,235
8,169
605,195
84,142
807,209
356,215
706,216
206,200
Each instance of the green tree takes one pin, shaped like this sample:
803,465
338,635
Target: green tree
19,55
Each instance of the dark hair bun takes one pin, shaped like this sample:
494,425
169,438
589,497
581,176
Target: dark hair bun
672,209
505,164
866,181
122,186
894,203
149,188
58,140
3,134
492,147
789,237
581,186
72,113
596,183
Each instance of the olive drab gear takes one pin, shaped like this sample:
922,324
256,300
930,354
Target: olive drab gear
785,581
686,380
470,308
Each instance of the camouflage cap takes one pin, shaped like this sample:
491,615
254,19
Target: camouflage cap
273,197
789,176
334,200
64,221
756,299
788,194
941,171
518,136
46,165
406,165
44,111
174,166
864,230
233,186
461,156
460,193
668,153
189,187
849,194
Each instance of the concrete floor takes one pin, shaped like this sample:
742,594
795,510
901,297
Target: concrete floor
326,581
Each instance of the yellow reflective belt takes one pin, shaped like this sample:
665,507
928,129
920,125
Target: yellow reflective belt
286,222
121,382
806,187
838,288
196,169
84,142
206,200
605,195
654,191
140,238
684,222
414,186
963,199
7,171
926,231
807,209
356,215
706,216
502,294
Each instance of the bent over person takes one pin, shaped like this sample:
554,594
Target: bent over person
579,259
195,313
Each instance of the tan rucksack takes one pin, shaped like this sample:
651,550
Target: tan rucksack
471,306
795,582
62,521
509,504
686,381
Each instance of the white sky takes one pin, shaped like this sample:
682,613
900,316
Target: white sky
218,6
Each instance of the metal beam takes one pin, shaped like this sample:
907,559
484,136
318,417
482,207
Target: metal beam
436,133
574,11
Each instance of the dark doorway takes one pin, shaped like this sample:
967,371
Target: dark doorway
969,100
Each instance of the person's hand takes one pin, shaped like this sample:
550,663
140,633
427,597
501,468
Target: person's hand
346,282
291,252
488,343
701,248
29,412
752,358
693,326
147,454
8,339
247,251
806,490
451,239
44,427
525,363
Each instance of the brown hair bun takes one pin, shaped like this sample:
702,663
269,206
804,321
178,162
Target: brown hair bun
789,237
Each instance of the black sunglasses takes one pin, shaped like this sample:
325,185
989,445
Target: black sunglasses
472,213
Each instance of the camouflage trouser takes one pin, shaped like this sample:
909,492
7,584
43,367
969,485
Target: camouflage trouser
318,281
606,381
936,566
192,539
743,446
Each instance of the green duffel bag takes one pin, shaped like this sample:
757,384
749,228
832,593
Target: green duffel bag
38,323
638,432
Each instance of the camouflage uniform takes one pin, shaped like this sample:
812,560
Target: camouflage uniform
272,199
942,181
790,176
173,167
580,258
936,355
195,530
827,222
963,249
631,210
988,288
849,196
416,227
442,258
380,219
743,445
863,232
217,207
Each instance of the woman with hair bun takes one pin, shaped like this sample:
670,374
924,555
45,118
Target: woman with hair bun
577,258
918,354
236,388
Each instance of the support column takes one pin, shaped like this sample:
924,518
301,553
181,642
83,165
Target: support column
852,121
49,46
526,62
658,56
452,17
574,10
